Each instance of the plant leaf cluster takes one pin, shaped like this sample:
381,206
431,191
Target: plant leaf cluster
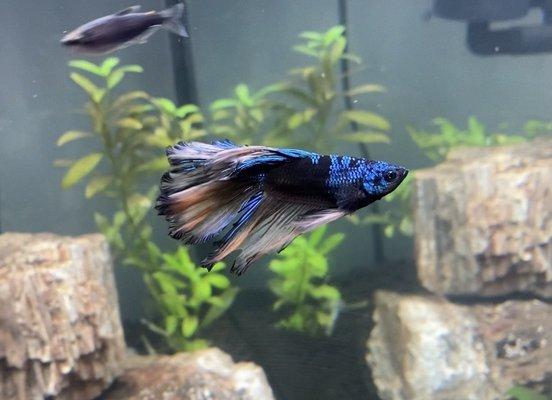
436,146
303,110
130,132
307,302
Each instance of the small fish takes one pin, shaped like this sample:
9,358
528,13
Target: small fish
122,29
264,196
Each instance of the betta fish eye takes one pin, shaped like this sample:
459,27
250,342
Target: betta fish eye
390,176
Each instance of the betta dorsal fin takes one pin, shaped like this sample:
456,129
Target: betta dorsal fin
128,10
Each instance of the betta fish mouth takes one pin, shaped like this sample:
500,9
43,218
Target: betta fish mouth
401,175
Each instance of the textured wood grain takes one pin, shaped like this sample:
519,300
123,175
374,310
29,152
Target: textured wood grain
425,347
483,221
201,375
60,330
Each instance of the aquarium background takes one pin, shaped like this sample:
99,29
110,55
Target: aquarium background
424,64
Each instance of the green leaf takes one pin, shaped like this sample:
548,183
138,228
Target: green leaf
367,118
305,50
171,323
97,185
331,243
316,236
130,68
368,88
389,231
242,93
337,50
129,97
215,312
70,136
523,393
186,109
93,91
366,137
217,280
202,290
333,34
311,35
109,64
115,78
80,169
86,66
189,326
165,282
165,105
129,123
158,164
101,222
218,267
222,103
325,292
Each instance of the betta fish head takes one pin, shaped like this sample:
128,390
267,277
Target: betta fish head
383,178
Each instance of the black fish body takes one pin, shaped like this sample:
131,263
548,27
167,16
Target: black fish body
127,27
264,196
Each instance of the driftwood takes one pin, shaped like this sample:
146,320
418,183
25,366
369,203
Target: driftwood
424,347
60,330
483,221
201,375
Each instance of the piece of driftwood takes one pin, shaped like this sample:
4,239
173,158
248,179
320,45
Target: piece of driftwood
483,221
201,375
425,347
60,330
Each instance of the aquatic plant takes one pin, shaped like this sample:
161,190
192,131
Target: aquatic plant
302,111
131,129
524,393
190,298
436,146
309,304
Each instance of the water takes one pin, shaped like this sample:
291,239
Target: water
419,69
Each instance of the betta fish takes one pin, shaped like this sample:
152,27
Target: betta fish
258,199
122,29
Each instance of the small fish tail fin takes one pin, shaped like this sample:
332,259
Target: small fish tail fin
196,197
173,19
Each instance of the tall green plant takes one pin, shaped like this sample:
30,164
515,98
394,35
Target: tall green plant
308,303
129,130
303,111
436,145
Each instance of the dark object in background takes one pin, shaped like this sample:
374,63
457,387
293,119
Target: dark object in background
124,28
483,40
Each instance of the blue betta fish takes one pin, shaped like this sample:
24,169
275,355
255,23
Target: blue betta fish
264,196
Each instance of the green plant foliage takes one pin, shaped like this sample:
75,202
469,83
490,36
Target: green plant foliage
309,304
129,133
524,393
436,145
190,298
397,218
303,111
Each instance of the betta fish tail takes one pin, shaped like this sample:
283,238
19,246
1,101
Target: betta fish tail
173,19
196,197
218,187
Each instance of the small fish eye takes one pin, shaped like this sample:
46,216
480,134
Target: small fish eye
390,176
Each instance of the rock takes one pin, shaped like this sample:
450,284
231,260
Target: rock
483,221
60,330
208,374
424,347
